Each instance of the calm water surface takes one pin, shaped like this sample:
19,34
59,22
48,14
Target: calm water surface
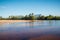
30,30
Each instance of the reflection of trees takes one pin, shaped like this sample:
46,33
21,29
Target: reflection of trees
50,23
31,24
1,24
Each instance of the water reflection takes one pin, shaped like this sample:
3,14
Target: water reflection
29,30
31,24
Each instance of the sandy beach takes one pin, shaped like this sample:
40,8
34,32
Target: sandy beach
10,21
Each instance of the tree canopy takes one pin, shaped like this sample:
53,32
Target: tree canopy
31,16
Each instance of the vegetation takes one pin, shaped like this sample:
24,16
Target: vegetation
31,16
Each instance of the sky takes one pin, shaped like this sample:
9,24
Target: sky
25,7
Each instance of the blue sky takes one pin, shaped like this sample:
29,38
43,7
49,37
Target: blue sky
24,7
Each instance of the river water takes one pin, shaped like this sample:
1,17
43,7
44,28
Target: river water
37,30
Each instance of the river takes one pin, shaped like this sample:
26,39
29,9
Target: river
37,30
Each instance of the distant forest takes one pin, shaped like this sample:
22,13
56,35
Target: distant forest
31,16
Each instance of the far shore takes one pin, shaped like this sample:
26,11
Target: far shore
11,21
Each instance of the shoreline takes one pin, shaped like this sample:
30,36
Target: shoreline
12,21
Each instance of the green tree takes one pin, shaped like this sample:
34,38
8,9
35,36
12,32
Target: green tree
50,17
41,17
0,17
57,17
31,16
26,17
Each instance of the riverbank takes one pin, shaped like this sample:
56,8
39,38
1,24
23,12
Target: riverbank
10,21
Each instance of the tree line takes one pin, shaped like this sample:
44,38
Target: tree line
31,16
